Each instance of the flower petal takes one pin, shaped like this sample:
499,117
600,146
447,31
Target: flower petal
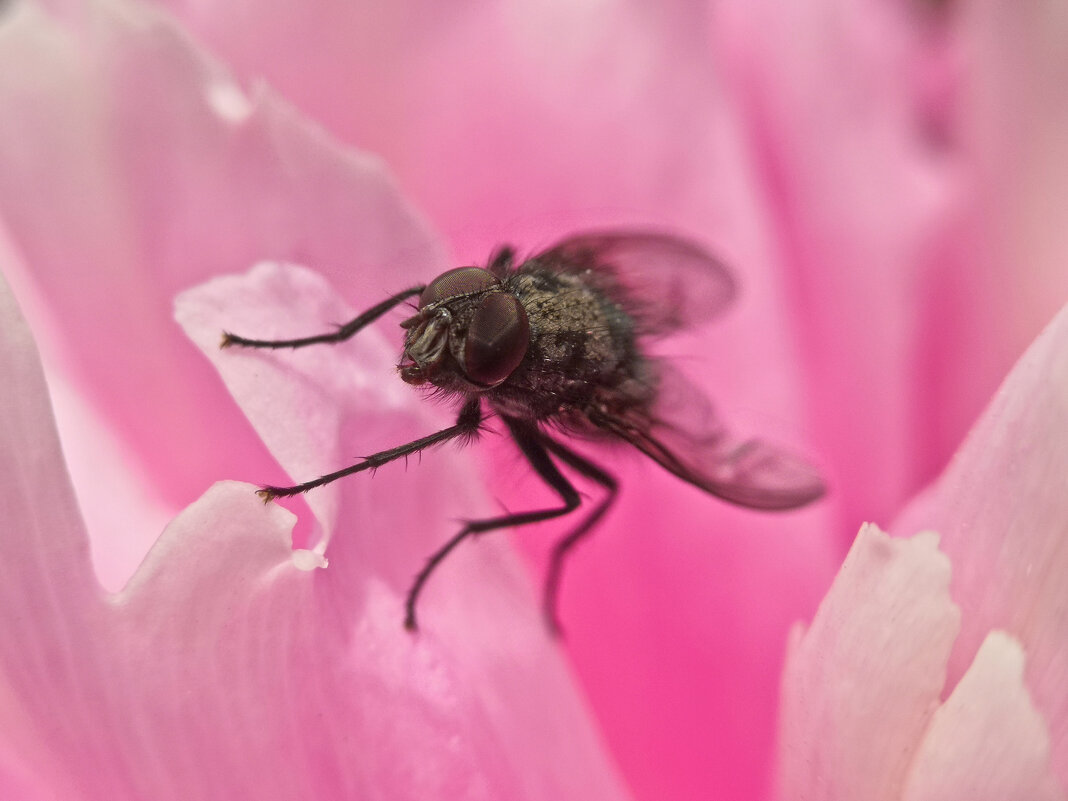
859,196
138,168
232,666
47,593
1013,130
1002,508
861,683
987,742
310,406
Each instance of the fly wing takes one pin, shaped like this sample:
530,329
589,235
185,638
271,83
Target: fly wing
684,435
666,283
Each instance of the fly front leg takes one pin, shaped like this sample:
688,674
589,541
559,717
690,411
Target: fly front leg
340,335
467,425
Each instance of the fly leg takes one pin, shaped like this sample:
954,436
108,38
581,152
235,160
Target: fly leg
584,467
467,424
533,445
342,333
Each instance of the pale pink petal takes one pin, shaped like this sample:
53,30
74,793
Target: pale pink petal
113,494
861,683
987,742
318,408
1002,509
232,666
136,168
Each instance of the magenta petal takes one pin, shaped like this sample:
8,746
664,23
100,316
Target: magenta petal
914,155
232,666
1002,508
859,197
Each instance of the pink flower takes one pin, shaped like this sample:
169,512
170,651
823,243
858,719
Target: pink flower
937,670
229,665
837,158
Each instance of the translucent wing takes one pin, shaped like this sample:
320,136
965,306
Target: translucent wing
664,282
684,436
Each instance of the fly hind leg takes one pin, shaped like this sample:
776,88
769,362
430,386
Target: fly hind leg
536,447
563,547
533,445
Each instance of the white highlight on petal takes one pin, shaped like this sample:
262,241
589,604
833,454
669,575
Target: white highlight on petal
987,742
304,559
228,100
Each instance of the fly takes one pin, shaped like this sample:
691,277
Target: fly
556,345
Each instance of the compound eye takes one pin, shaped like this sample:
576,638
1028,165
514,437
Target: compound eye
497,339
461,281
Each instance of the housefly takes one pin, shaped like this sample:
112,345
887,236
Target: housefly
556,345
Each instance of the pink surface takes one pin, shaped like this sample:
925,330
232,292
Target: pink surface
873,661
138,168
233,666
863,714
896,239
936,668
1002,510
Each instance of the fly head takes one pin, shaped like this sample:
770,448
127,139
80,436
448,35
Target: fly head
469,334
